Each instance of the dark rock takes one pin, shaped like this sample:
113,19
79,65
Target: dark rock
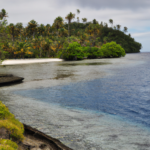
4,133
6,79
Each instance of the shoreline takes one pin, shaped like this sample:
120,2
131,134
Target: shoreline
29,61
33,137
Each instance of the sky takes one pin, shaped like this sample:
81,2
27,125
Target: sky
134,14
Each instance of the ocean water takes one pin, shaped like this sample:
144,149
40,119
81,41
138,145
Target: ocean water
105,105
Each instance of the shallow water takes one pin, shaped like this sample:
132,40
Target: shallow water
84,105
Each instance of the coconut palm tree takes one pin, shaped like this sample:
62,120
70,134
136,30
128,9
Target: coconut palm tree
11,28
111,22
69,17
19,29
105,24
48,26
78,12
125,29
3,15
84,19
95,21
41,29
58,22
32,27
101,23
118,26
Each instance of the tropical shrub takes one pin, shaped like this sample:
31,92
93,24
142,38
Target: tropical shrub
112,50
93,52
73,52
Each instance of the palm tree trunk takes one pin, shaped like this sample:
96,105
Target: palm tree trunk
68,28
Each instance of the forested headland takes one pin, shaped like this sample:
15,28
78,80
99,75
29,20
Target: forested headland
71,40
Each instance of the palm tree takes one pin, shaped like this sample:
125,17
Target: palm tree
84,19
3,14
125,29
48,26
105,24
69,17
101,23
41,29
19,30
32,27
111,22
78,11
11,28
114,27
58,22
118,27
95,21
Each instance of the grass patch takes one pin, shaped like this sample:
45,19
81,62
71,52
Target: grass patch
14,127
8,145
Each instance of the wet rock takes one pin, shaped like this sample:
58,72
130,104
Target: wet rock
8,79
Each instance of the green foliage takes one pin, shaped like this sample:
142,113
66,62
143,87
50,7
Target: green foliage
32,41
73,52
8,145
8,121
126,41
112,50
93,52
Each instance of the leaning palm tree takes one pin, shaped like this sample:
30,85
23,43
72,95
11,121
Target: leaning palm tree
111,22
69,17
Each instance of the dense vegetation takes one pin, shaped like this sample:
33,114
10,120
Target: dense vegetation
71,41
14,127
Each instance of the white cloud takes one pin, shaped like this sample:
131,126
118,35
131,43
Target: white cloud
141,34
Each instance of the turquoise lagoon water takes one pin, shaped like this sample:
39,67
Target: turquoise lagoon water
117,93
127,94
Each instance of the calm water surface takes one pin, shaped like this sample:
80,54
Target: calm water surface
116,92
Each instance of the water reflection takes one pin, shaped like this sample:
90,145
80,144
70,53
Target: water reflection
84,64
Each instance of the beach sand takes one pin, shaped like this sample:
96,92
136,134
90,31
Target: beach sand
29,61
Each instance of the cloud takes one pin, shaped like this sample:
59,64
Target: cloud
113,4
141,34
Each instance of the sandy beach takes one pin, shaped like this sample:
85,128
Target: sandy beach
29,61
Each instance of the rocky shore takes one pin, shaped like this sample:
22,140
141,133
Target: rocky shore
34,139
6,79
